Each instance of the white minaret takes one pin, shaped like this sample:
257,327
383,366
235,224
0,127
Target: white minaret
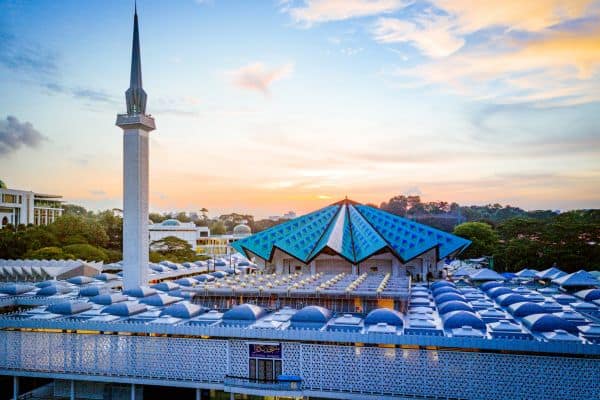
136,126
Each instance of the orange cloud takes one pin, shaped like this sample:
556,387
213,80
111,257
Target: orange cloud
257,77
315,11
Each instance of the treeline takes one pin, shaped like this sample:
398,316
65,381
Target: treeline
445,216
570,240
78,234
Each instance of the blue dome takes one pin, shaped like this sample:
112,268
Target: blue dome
140,291
69,308
490,285
158,300
526,308
15,288
446,297
444,289
165,286
510,298
498,291
440,284
245,312
390,317
312,314
549,323
52,290
171,222
454,306
458,319
91,291
183,310
108,298
125,309
589,294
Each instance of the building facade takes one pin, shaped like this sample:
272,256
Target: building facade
187,231
23,207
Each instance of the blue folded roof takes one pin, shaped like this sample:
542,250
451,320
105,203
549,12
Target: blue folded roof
353,231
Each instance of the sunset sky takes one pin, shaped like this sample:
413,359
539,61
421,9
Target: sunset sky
269,106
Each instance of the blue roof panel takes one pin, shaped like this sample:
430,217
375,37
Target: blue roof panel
353,231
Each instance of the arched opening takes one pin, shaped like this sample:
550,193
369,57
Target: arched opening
4,221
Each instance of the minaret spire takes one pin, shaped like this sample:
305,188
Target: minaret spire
136,127
135,95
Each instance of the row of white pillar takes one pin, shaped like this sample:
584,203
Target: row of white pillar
72,391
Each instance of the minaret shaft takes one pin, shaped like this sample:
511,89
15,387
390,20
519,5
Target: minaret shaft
136,127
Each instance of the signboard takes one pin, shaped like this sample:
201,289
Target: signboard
262,350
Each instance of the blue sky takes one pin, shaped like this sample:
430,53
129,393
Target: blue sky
266,106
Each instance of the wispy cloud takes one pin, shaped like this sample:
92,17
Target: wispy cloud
310,12
15,134
258,77
430,34
27,58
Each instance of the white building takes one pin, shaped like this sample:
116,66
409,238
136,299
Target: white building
187,231
26,207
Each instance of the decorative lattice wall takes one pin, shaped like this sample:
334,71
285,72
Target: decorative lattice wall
113,355
373,370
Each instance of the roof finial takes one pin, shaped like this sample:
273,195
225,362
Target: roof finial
135,95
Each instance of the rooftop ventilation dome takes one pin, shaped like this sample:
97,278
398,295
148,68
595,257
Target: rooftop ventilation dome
384,316
244,312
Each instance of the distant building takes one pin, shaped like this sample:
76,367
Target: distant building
219,245
287,215
187,231
26,207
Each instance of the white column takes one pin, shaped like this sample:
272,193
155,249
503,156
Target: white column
354,269
15,387
197,393
135,208
313,267
133,391
72,390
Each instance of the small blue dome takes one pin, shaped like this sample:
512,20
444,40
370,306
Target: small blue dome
183,310
125,309
69,308
507,299
15,288
245,312
549,323
438,284
498,291
490,285
458,319
108,298
140,291
91,291
312,314
446,297
165,286
523,309
589,294
454,306
390,317
444,289
171,222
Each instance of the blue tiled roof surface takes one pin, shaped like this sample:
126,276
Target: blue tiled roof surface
353,231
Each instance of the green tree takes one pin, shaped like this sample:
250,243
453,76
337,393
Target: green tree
86,252
74,209
48,253
218,228
72,229
113,226
483,237
173,249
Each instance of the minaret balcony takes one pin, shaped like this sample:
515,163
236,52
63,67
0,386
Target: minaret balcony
136,121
